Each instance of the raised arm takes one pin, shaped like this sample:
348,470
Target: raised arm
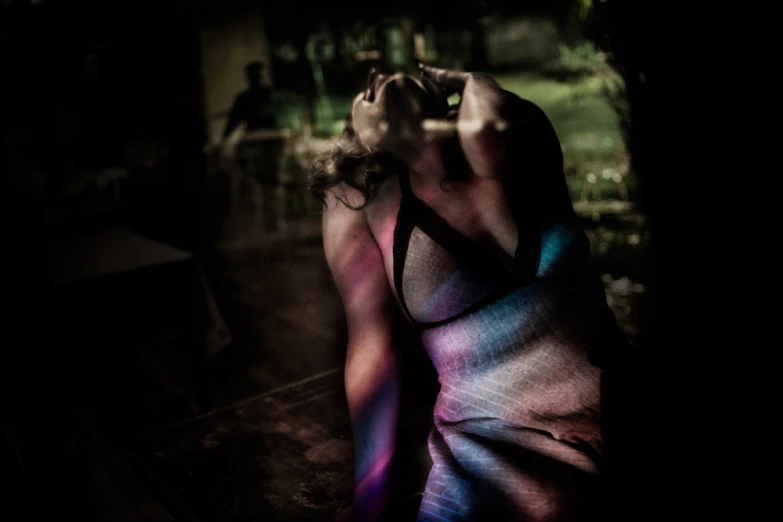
371,380
501,134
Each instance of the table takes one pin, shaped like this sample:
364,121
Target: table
120,279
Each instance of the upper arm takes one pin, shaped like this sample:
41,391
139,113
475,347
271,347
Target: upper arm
503,134
358,270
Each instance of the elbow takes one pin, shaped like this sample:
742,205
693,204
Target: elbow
369,375
487,149
361,365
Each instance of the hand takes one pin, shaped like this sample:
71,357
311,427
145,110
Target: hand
491,121
455,82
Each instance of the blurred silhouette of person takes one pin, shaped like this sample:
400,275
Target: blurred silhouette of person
257,155
252,105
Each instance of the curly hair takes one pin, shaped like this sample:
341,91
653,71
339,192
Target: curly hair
358,166
365,169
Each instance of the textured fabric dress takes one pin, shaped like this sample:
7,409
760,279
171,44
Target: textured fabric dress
517,421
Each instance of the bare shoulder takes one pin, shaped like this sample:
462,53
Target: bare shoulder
341,222
354,258
345,229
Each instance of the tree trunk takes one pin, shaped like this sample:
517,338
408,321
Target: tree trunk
688,171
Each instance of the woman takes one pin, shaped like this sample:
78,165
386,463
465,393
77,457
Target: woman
471,234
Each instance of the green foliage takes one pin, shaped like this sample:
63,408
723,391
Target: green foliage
584,56
585,60
583,8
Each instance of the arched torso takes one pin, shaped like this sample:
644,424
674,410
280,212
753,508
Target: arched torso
477,209
516,373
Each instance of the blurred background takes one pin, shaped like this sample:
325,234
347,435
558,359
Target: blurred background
175,341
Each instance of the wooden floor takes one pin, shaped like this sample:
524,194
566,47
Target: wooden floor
274,443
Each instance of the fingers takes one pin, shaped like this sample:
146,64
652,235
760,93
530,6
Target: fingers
440,95
449,81
432,86
456,82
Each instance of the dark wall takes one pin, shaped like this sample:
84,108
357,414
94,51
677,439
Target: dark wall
683,132
90,82
146,81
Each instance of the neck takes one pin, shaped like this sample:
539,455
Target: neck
429,165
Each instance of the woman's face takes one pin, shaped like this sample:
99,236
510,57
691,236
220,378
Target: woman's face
389,114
